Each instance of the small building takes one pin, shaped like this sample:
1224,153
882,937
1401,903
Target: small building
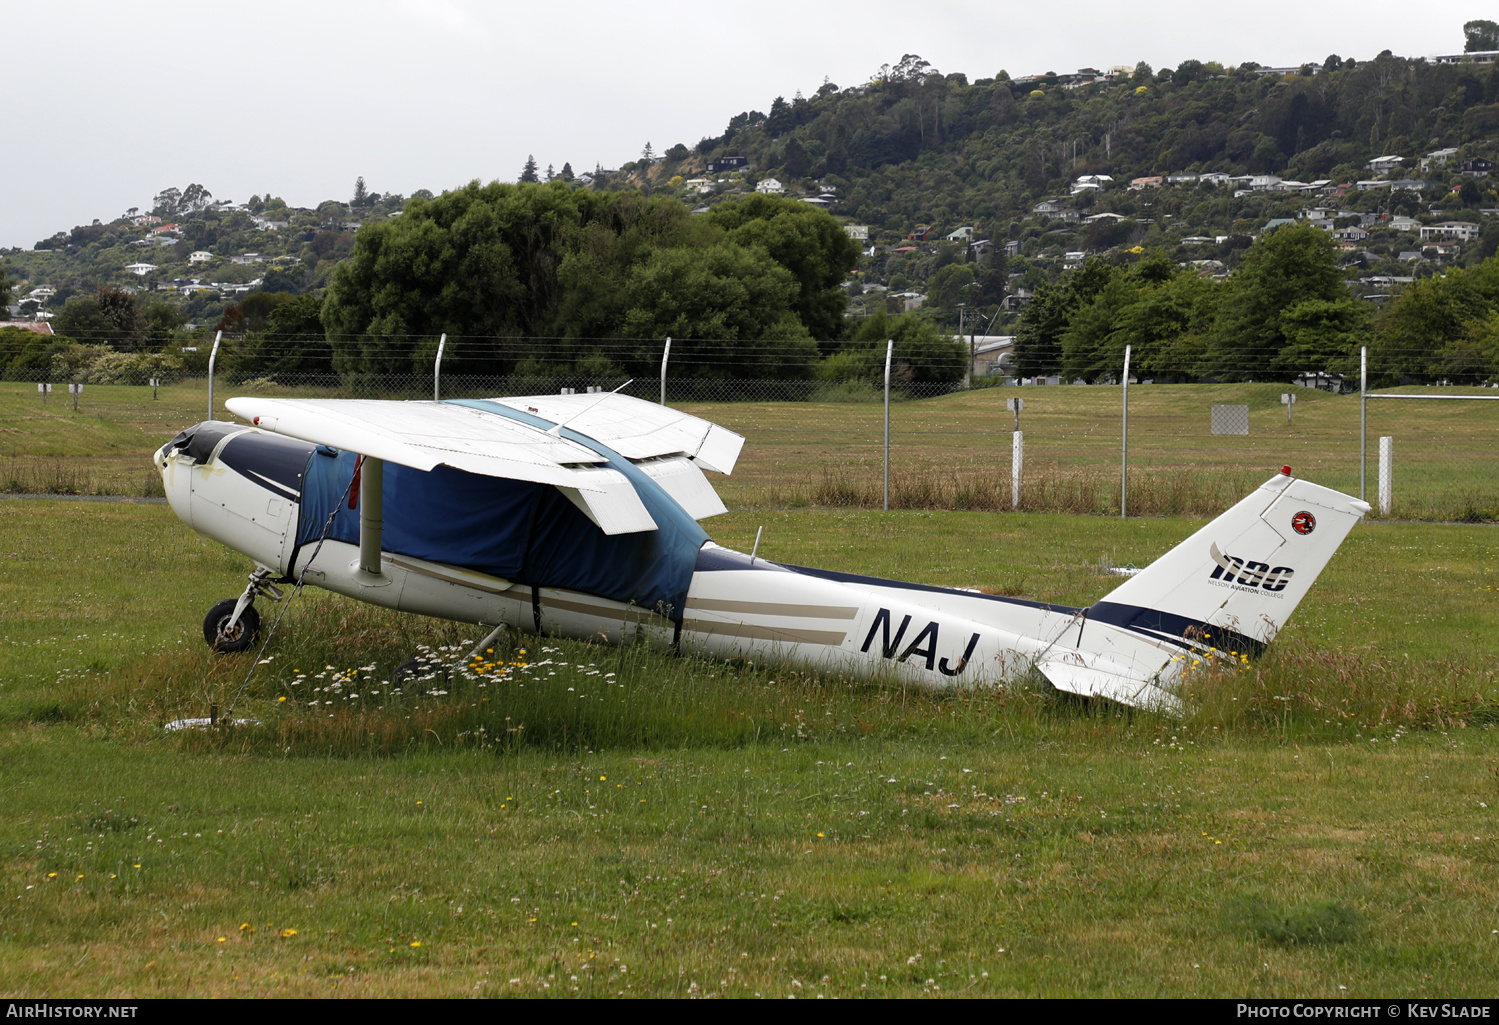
857,232
201,256
1149,182
140,269
963,234
1385,164
769,186
1475,167
734,163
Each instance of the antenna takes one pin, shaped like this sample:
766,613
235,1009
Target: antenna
556,430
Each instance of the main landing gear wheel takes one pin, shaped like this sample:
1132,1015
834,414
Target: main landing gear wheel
221,637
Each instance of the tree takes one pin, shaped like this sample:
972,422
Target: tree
922,353
528,173
1480,36
1291,265
567,171
806,241
1038,340
361,196
714,300
648,154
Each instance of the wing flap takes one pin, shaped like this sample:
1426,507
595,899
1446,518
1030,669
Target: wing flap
680,478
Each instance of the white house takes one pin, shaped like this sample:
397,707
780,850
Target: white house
1438,156
1460,230
963,234
1385,164
770,187
140,269
201,256
857,232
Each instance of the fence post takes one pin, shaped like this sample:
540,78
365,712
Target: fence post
665,355
889,350
212,357
1386,474
442,343
1363,418
1124,441
1017,460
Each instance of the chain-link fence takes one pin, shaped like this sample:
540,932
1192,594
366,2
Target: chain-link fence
815,431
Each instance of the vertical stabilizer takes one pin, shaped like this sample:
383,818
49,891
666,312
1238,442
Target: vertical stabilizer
1232,585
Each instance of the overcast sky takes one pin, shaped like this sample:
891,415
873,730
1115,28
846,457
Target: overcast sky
108,103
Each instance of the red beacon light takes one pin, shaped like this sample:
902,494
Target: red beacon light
1286,470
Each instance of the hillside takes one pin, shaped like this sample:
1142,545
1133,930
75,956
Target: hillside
974,194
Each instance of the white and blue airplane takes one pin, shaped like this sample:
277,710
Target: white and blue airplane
577,515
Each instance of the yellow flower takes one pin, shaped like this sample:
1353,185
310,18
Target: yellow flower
223,939
245,925
287,933
416,943
51,875
281,698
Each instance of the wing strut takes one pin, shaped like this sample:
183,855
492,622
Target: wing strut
371,513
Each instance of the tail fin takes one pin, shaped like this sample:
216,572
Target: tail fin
1232,585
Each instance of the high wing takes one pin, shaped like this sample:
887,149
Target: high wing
521,442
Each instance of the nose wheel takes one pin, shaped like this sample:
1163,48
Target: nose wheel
233,624
225,634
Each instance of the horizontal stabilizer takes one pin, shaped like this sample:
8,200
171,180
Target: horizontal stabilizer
1090,676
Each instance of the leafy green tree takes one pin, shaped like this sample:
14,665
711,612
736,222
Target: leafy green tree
715,301
1292,264
361,194
922,353
808,242
1038,340
528,173
1480,36
1432,324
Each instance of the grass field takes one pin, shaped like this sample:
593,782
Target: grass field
586,821
951,452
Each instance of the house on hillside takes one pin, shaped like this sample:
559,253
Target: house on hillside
1385,164
1473,167
1438,157
201,256
770,187
963,234
1056,209
140,269
857,232
1154,181
921,233
727,164
41,327
1462,231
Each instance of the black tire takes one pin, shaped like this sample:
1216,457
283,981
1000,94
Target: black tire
241,637
410,675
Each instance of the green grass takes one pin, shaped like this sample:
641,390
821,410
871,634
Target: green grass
1324,820
946,453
